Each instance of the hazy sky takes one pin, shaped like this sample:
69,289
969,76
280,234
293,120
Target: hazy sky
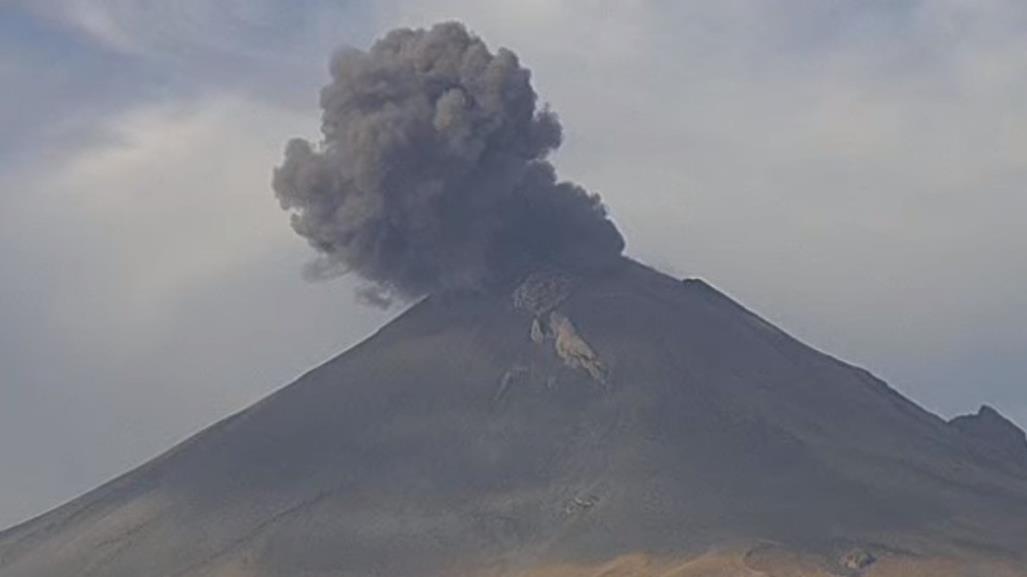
854,171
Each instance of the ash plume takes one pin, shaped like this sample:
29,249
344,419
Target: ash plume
432,172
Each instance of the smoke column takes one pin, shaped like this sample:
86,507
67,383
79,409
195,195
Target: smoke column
432,172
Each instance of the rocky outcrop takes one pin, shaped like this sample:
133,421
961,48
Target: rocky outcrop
988,426
542,292
511,374
538,333
573,350
857,560
580,503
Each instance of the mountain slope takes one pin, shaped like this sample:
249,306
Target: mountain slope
632,420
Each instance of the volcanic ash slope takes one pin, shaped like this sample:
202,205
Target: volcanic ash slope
625,425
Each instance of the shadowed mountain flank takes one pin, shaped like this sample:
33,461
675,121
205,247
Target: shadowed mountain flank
996,434
627,424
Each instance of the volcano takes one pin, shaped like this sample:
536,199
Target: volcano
629,424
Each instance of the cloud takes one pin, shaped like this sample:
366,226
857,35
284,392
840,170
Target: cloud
433,174
137,27
145,278
269,49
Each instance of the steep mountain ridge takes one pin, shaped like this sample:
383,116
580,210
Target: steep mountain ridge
997,436
464,439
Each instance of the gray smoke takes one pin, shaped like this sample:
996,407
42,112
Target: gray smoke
432,173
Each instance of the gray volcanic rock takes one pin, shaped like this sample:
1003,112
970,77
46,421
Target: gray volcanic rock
452,443
1000,435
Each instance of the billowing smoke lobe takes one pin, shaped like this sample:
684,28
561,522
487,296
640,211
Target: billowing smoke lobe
432,174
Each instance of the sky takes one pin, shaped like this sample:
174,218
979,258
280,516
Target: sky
853,171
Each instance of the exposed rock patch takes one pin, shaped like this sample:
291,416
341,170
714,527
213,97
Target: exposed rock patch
538,333
569,345
573,350
857,560
542,292
581,503
998,432
511,375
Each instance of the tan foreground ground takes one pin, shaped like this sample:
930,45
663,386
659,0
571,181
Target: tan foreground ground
770,563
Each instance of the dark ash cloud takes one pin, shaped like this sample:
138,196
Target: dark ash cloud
432,173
